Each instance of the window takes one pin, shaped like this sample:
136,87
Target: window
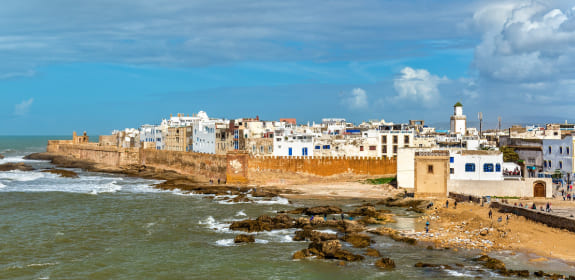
560,150
549,149
395,149
384,139
304,151
451,171
290,151
372,148
497,167
261,149
549,164
326,147
394,139
384,149
406,139
317,147
560,164
567,150
470,167
270,149
361,148
545,163
451,159
430,169
488,167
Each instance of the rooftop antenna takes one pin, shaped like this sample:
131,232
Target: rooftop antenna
499,123
480,116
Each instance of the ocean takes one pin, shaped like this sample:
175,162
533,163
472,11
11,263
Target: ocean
109,226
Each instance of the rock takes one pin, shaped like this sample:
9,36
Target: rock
321,210
372,253
301,254
62,173
429,247
244,238
347,256
358,240
308,234
349,226
385,263
415,205
331,249
15,166
1,156
263,223
394,234
420,264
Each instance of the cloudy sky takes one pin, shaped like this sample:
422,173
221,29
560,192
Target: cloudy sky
105,64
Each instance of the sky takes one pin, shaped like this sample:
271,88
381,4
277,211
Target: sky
101,65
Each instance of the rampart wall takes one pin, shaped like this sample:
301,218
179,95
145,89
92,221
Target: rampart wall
235,167
324,166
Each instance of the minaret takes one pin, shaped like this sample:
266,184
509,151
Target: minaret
458,120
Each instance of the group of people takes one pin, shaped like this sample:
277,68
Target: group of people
568,195
219,181
534,207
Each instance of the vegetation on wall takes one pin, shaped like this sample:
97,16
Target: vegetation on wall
509,154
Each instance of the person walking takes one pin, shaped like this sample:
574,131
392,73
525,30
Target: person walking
490,214
427,227
447,204
455,205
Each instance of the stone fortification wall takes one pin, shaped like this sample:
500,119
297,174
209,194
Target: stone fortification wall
110,156
323,166
537,216
207,166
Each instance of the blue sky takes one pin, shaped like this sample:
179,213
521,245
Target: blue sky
103,65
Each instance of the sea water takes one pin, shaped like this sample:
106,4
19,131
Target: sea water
103,226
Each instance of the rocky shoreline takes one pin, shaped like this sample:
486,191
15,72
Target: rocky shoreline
309,220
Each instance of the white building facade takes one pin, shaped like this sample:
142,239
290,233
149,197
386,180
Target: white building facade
475,165
558,156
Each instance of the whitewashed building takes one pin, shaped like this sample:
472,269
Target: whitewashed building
151,137
475,165
558,156
290,143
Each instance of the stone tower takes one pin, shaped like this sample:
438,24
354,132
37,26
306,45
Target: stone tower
458,120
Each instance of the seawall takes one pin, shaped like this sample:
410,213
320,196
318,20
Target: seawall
537,216
235,167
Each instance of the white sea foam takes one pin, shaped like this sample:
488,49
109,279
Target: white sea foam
458,273
225,242
274,200
2,186
24,176
262,241
111,187
328,231
241,213
211,223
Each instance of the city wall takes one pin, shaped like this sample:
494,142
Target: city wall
324,166
235,167
537,216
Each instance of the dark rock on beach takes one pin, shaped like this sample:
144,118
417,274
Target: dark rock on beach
244,238
264,223
307,233
358,240
62,173
385,263
330,249
372,253
15,166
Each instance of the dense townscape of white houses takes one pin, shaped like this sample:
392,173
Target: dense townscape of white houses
543,151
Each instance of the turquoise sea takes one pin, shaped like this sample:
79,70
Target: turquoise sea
103,226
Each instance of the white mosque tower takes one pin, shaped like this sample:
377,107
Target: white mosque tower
458,120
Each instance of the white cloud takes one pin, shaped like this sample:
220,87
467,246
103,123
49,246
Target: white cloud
525,42
418,85
357,100
29,73
23,107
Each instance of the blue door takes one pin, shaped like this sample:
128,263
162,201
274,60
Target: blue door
289,152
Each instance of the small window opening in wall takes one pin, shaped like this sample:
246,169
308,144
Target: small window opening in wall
430,169
451,171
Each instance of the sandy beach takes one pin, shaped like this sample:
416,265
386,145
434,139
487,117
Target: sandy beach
341,190
469,226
